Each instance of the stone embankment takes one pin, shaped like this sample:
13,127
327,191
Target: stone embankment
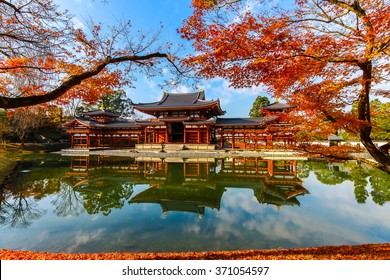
185,154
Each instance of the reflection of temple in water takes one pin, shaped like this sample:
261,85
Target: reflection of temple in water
273,182
189,185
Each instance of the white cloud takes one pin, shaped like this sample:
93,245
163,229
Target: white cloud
219,88
181,89
82,238
78,24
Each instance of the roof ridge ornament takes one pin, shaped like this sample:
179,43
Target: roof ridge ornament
165,96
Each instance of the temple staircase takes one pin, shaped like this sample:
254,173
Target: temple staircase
174,147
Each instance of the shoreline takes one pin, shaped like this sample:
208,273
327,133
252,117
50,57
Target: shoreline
342,252
184,154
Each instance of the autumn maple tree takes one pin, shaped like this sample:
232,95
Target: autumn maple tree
321,55
43,57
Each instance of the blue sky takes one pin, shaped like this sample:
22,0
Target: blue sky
147,15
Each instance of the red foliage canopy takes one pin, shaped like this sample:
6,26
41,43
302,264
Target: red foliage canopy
44,58
321,55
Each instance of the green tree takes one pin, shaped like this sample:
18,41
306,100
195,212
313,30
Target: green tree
260,102
117,102
381,120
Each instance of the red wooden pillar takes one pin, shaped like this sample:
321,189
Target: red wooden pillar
270,165
245,139
295,167
130,137
199,140
269,140
88,141
72,140
233,139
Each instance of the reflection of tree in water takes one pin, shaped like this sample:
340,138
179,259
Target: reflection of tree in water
18,211
359,177
303,170
380,184
67,202
105,195
331,174
362,175
34,180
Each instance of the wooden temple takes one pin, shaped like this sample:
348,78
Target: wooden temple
102,129
182,118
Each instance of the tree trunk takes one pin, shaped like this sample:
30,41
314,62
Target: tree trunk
364,115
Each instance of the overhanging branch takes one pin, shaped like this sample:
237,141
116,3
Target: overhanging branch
72,81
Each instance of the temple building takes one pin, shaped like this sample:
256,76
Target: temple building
184,120
181,118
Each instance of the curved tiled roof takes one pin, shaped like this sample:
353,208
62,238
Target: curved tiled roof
221,122
181,101
121,123
100,113
277,106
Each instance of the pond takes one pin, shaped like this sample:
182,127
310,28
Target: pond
56,203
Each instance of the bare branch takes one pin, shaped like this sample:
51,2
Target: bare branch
10,5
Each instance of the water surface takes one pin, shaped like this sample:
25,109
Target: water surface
105,204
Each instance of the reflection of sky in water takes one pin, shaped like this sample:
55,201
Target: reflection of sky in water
328,215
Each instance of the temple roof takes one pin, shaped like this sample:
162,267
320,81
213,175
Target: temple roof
181,198
221,122
100,113
277,106
181,102
121,123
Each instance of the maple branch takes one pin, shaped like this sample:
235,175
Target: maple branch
18,38
382,47
72,81
324,17
23,67
11,6
355,8
175,66
332,60
227,3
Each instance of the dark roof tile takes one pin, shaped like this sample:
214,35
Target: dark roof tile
244,121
